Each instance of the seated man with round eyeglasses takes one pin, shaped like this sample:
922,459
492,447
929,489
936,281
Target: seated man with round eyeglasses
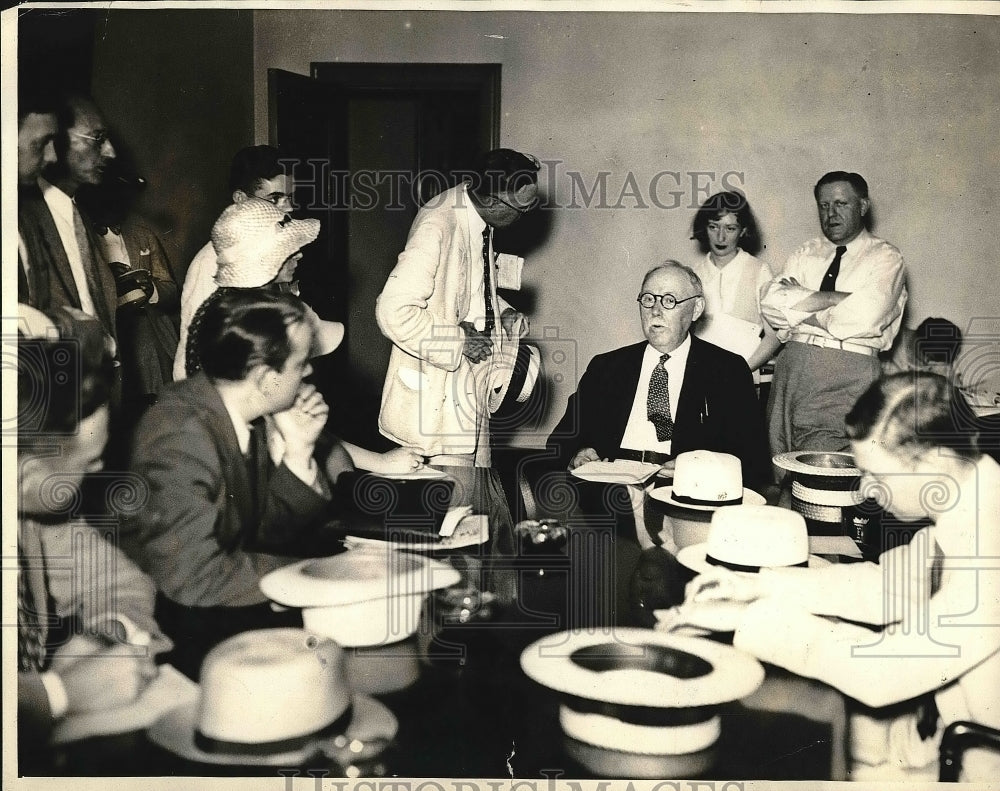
671,393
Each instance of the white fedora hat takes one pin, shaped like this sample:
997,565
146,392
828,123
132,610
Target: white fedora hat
275,697
705,480
748,538
363,597
641,691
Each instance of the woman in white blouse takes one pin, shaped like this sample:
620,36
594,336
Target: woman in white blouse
732,279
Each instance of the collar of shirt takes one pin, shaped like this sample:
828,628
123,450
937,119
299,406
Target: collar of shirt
640,434
477,300
240,426
674,366
59,203
854,247
476,223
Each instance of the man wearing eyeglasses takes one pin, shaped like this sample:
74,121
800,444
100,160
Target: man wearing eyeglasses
672,393
57,244
454,340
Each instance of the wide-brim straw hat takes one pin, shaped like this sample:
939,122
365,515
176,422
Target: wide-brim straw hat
705,480
641,691
747,538
275,697
253,239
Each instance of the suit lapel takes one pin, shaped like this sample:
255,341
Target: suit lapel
692,399
49,248
238,506
623,388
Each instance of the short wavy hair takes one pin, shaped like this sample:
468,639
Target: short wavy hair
504,170
719,205
912,412
241,328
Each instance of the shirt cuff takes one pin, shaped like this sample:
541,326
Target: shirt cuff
307,473
56,692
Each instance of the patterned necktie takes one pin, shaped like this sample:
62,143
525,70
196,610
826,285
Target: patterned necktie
830,278
487,287
30,633
658,401
89,265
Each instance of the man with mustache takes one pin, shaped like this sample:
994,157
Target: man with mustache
837,304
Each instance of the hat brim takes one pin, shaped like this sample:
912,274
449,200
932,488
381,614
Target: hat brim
372,725
693,557
361,575
327,336
798,462
665,495
733,674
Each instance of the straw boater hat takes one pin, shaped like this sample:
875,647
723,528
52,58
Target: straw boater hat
823,484
363,597
747,538
275,697
705,480
642,692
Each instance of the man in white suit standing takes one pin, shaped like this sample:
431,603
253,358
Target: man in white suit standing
454,340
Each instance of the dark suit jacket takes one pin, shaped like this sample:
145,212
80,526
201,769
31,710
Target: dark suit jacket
207,531
717,410
50,282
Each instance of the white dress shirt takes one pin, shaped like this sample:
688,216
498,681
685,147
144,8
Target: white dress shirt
640,433
199,285
871,272
61,208
477,296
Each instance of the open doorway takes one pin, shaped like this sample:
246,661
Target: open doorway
372,143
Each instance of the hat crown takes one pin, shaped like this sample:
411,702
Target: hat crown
765,536
271,684
250,218
708,477
253,238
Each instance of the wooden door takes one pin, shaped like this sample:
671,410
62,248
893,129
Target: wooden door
394,135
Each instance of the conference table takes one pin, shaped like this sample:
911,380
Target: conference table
467,709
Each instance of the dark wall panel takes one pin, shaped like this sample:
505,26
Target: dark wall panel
176,87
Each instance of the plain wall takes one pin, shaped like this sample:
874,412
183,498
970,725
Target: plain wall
911,102
176,87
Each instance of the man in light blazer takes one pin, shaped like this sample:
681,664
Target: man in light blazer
454,341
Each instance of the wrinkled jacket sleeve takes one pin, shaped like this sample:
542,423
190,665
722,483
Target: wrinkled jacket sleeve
404,311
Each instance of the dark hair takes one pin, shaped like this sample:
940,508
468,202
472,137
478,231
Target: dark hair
239,328
66,109
252,165
504,170
856,180
34,100
61,379
916,411
719,205
936,341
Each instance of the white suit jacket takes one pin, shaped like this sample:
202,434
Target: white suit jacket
434,399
